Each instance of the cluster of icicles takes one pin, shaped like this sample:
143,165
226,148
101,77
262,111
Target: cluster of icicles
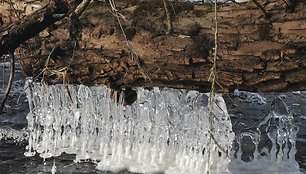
163,130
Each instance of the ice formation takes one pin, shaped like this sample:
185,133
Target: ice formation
163,130
6,132
250,97
272,144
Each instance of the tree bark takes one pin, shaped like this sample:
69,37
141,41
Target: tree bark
29,26
255,53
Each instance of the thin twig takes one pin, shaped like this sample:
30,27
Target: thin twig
213,78
213,70
10,82
272,107
240,108
173,9
261,8
134,55
287,4
14,9
216,142
168,17
82,7
43,70
290,4
3,71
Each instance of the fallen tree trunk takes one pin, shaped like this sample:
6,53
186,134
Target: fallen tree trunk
255,53
29,26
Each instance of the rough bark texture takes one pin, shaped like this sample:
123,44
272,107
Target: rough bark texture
255,53
29,26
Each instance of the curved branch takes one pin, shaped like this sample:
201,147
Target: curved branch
29,26
10,82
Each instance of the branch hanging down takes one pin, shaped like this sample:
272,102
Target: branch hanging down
267,15
169,20
9,85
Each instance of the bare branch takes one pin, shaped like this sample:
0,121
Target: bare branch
262,9
10,82
82,7
29,26
169,20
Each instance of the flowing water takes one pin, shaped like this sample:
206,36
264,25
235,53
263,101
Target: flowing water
164,130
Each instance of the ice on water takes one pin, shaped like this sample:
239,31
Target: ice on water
272,144
163,130
250,97
6,132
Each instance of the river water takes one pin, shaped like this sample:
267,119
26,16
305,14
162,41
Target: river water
12,159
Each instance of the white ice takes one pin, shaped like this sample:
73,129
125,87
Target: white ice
163,130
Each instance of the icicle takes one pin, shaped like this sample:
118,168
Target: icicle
279,157
53,169
163,130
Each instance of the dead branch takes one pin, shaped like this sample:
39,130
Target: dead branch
169,19
29,26
10,82
261,9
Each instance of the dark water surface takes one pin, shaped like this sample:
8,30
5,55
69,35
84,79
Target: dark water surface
12,161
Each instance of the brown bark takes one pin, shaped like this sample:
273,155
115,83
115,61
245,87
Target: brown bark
255,53
29,26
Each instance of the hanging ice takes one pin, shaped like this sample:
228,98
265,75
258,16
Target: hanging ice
250,97
163,130
268,147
